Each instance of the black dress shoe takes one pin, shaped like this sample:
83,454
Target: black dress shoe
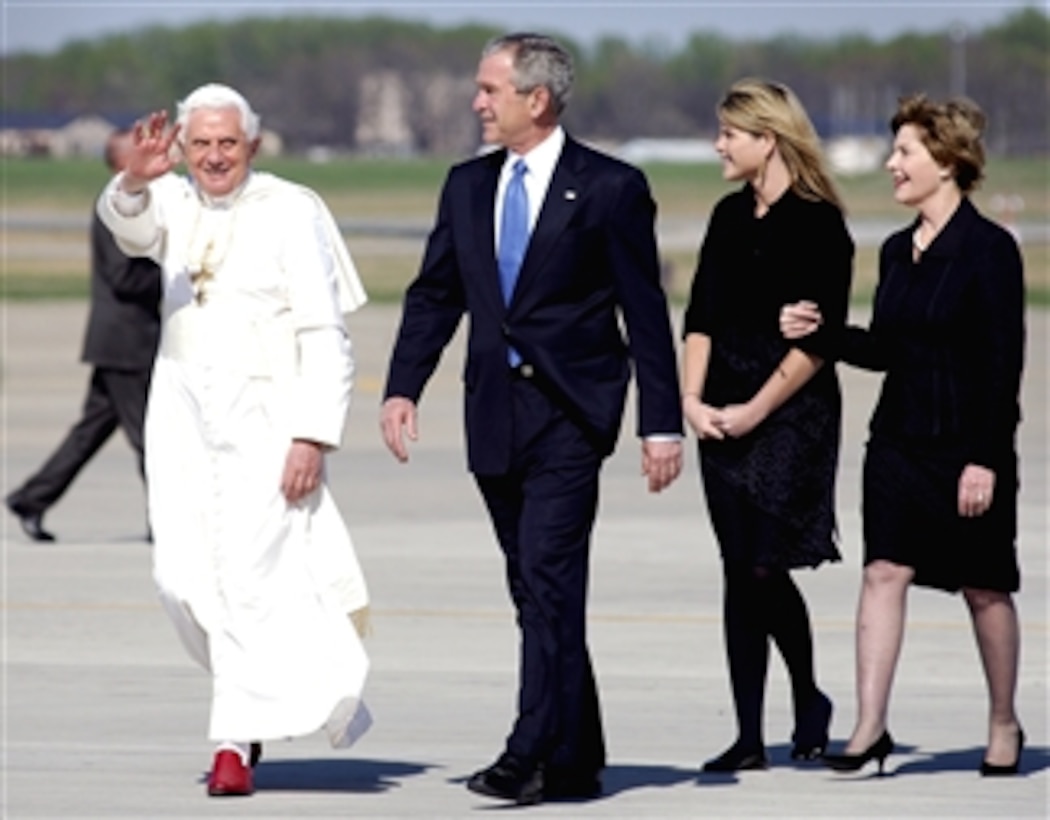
877,751
737,758
509,779
32,522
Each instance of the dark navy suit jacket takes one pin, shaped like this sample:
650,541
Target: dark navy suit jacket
588,305
123,327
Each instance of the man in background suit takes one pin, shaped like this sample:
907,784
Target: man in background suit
121,340
547,245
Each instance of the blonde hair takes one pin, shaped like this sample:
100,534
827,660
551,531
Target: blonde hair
760,107
951,132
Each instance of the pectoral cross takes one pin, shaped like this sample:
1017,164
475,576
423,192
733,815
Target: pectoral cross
200,278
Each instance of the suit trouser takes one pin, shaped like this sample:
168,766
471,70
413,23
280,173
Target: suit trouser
114,398
543,511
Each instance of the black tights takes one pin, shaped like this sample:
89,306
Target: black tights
763,602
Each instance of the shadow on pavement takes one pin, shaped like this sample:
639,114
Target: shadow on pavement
327,775
1033,759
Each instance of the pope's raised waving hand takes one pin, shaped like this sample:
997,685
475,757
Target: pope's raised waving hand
151,153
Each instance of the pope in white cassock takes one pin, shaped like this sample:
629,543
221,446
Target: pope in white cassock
251,387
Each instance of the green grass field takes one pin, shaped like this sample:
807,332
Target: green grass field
54,265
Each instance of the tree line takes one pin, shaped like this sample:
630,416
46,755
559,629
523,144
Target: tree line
305,75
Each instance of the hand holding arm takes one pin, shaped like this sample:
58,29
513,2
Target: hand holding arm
703,418
794,370
800,319
737,420
398,418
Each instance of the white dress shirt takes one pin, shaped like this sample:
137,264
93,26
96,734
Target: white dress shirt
540,161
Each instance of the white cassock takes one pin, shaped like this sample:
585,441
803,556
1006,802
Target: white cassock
254,353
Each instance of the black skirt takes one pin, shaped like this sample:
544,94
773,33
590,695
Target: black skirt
755,537
911,517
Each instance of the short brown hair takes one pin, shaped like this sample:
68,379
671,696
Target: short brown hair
951,132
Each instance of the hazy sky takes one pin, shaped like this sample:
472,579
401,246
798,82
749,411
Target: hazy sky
44,25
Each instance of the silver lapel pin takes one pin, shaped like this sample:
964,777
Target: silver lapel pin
570,194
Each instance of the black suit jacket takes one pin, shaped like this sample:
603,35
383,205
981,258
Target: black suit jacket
949,332
124,324
591,261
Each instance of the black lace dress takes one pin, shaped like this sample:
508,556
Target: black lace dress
748,268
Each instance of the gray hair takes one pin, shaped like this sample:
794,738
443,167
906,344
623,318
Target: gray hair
213,96
538,61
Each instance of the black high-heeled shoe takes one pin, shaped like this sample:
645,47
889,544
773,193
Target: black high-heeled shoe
810,737
737,758
1000,770
877,751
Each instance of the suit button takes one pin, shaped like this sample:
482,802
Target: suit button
526,371
504,329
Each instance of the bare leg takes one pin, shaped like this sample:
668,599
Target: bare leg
998,639
880,631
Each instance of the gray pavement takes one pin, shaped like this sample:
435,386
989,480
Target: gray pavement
105,717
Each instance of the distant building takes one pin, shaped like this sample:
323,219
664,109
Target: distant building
382,125
654,149
856,155
82,137
437,116
59,136
49,134
403,113
270,143
35,134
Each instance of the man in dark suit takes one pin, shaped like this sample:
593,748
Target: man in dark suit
121,340
547,245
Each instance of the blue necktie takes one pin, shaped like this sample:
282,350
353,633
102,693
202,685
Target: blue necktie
514,230
513,238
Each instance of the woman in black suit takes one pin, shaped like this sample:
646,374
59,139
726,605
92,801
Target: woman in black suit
767,412
940,472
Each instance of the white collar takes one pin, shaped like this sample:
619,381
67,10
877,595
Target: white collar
226,201
542,158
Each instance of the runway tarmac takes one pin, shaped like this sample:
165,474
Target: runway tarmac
104,716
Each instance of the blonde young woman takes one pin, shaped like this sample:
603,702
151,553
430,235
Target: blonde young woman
767,411
940,470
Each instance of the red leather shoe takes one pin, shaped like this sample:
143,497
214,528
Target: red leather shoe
229,776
